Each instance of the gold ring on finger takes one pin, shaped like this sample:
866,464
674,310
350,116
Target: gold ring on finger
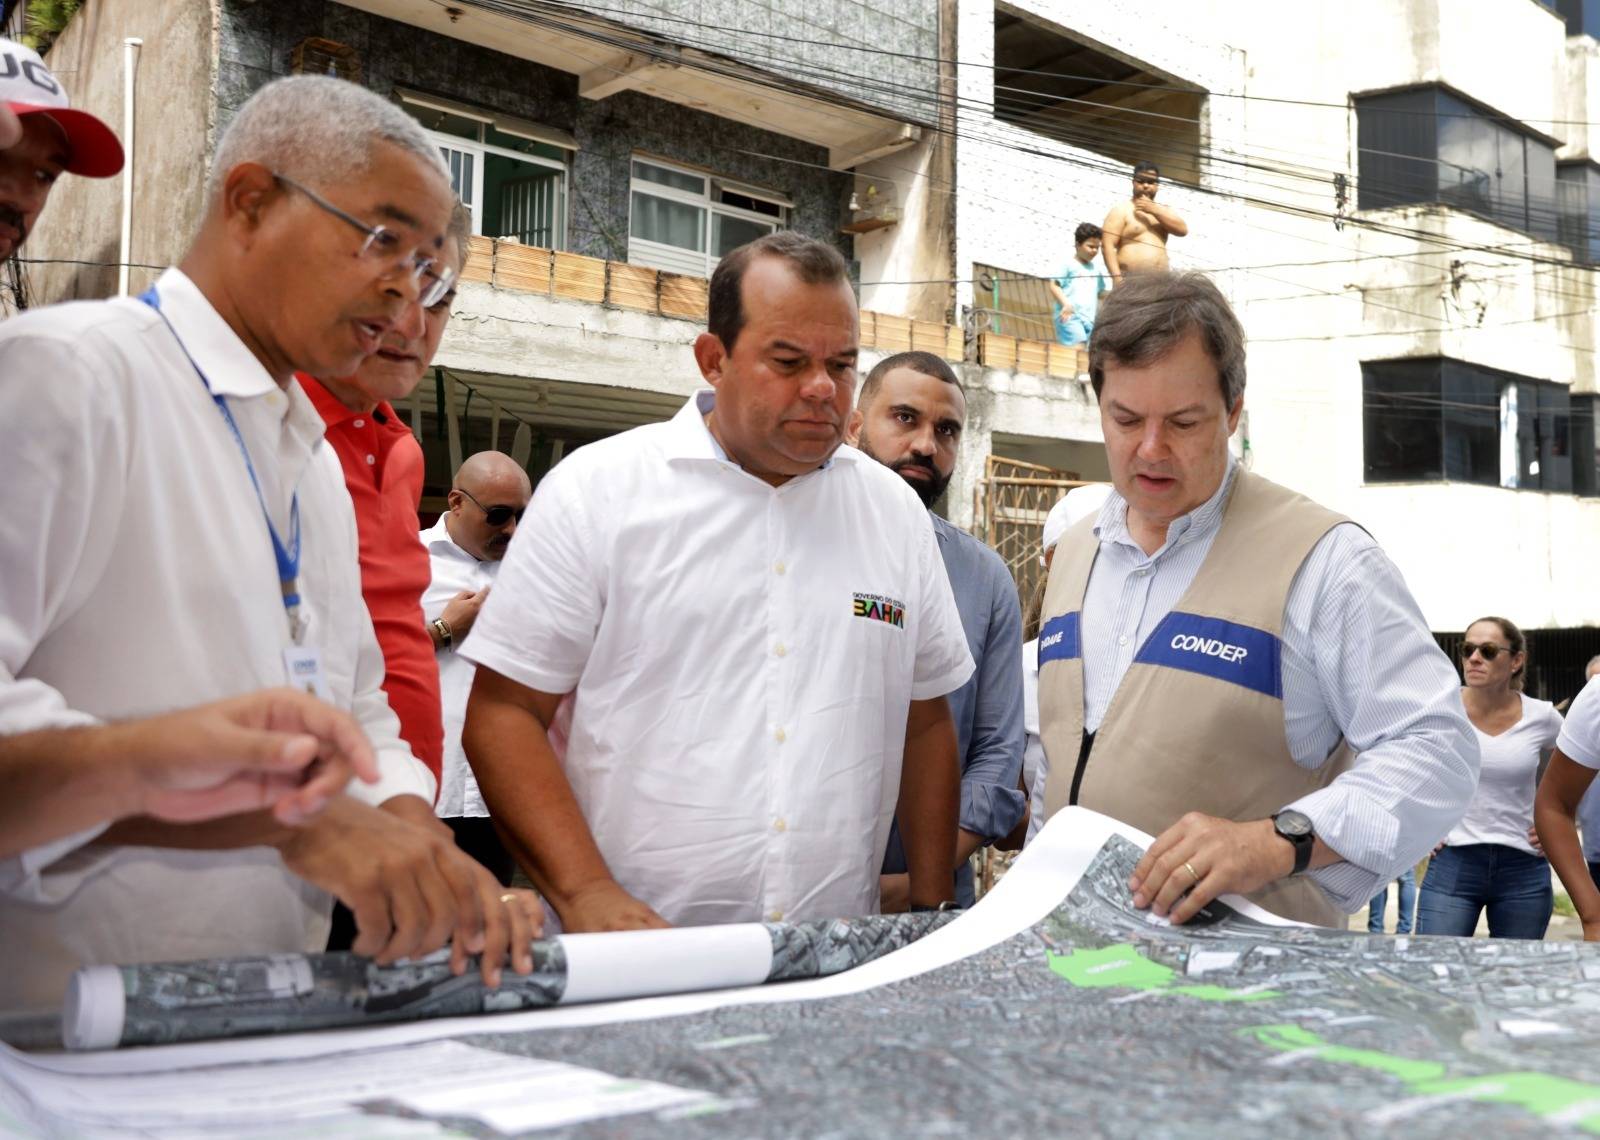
509,897
1193,874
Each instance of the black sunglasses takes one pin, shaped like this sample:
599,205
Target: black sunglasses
1488,650
496,516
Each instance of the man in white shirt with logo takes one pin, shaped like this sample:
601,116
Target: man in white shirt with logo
756,632
490,492
187,540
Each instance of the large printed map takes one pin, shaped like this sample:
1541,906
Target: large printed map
1096,1020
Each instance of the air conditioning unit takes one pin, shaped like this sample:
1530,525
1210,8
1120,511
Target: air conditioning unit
317,56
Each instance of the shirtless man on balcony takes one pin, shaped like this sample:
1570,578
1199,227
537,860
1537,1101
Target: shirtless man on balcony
1136,231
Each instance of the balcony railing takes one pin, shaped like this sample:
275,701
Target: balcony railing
575,277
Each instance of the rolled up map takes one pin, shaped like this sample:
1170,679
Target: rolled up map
160,1003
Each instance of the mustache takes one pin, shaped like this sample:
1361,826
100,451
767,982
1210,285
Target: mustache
915,464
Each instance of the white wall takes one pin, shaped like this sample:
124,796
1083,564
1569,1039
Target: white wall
1465,550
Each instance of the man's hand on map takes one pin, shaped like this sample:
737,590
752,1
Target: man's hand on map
409,885
606,906
1201,857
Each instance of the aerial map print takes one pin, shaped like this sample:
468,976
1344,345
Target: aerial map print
1097,1020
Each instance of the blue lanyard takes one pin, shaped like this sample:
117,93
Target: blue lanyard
288,555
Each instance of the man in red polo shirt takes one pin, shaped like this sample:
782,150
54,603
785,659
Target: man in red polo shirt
383,470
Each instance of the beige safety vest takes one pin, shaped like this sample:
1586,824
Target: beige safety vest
1197,721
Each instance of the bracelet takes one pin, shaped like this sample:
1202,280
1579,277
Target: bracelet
442,629
924,908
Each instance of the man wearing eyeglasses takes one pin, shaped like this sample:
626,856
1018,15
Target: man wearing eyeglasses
188,539
465,547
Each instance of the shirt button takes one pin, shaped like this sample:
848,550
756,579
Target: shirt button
359,423
780,736
371,459
1122,641
774,915
779,824
1139,573
779,568
780,650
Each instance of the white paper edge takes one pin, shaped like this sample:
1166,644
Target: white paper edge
1036,883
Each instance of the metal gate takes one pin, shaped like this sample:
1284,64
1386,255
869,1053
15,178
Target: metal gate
1008,513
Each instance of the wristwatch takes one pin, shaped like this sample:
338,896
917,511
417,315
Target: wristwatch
1295,826
442,628
924,908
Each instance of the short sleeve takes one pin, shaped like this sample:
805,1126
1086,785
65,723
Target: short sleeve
1580,734
943,660
543,612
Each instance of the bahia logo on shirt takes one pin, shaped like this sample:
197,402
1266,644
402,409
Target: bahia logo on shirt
876,607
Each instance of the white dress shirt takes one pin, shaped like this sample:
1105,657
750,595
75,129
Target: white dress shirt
139,578
1358,663
743,658
454,570
1502,809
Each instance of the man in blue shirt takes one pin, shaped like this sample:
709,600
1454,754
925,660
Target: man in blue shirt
909,416
1078,290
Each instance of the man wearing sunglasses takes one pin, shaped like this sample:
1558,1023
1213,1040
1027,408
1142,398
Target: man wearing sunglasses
465,547
189,539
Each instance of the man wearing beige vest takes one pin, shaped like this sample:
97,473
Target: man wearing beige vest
1224,663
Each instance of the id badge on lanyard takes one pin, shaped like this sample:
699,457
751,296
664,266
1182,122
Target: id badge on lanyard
303,665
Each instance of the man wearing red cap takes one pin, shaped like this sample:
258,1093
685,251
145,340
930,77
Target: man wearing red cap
40,137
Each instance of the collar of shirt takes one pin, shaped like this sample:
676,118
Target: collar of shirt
439,543
334,412
690,438
1112,525
229,367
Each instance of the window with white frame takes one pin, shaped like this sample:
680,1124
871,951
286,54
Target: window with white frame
685,221
511,174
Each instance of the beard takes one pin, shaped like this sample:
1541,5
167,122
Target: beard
929,489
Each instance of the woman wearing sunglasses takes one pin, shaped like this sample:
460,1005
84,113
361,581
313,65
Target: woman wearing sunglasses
1489,860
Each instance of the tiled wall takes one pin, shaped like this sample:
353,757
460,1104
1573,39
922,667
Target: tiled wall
257,39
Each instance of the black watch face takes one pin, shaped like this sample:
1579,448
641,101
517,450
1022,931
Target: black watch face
1292,823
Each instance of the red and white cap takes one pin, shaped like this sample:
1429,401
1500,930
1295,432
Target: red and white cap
28,88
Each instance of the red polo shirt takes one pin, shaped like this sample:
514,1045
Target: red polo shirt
382,464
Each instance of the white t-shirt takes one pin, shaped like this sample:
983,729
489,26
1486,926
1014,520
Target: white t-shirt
742,660
1580,735
1502,809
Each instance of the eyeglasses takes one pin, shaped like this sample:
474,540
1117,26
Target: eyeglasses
1488,650
385,247
498,515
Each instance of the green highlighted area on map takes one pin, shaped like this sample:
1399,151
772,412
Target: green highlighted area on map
1124,967
1576,1102
1563,1101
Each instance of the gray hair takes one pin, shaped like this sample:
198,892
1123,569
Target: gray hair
1145,316
317,130
1593,661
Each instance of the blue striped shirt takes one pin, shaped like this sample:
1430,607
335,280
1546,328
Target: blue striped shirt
1358,663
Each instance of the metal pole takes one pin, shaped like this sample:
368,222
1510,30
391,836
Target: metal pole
130,69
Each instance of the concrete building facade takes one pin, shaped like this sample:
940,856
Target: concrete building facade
1402,209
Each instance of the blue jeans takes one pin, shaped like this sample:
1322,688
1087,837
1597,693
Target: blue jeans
1513,886
1408,905
1073,330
